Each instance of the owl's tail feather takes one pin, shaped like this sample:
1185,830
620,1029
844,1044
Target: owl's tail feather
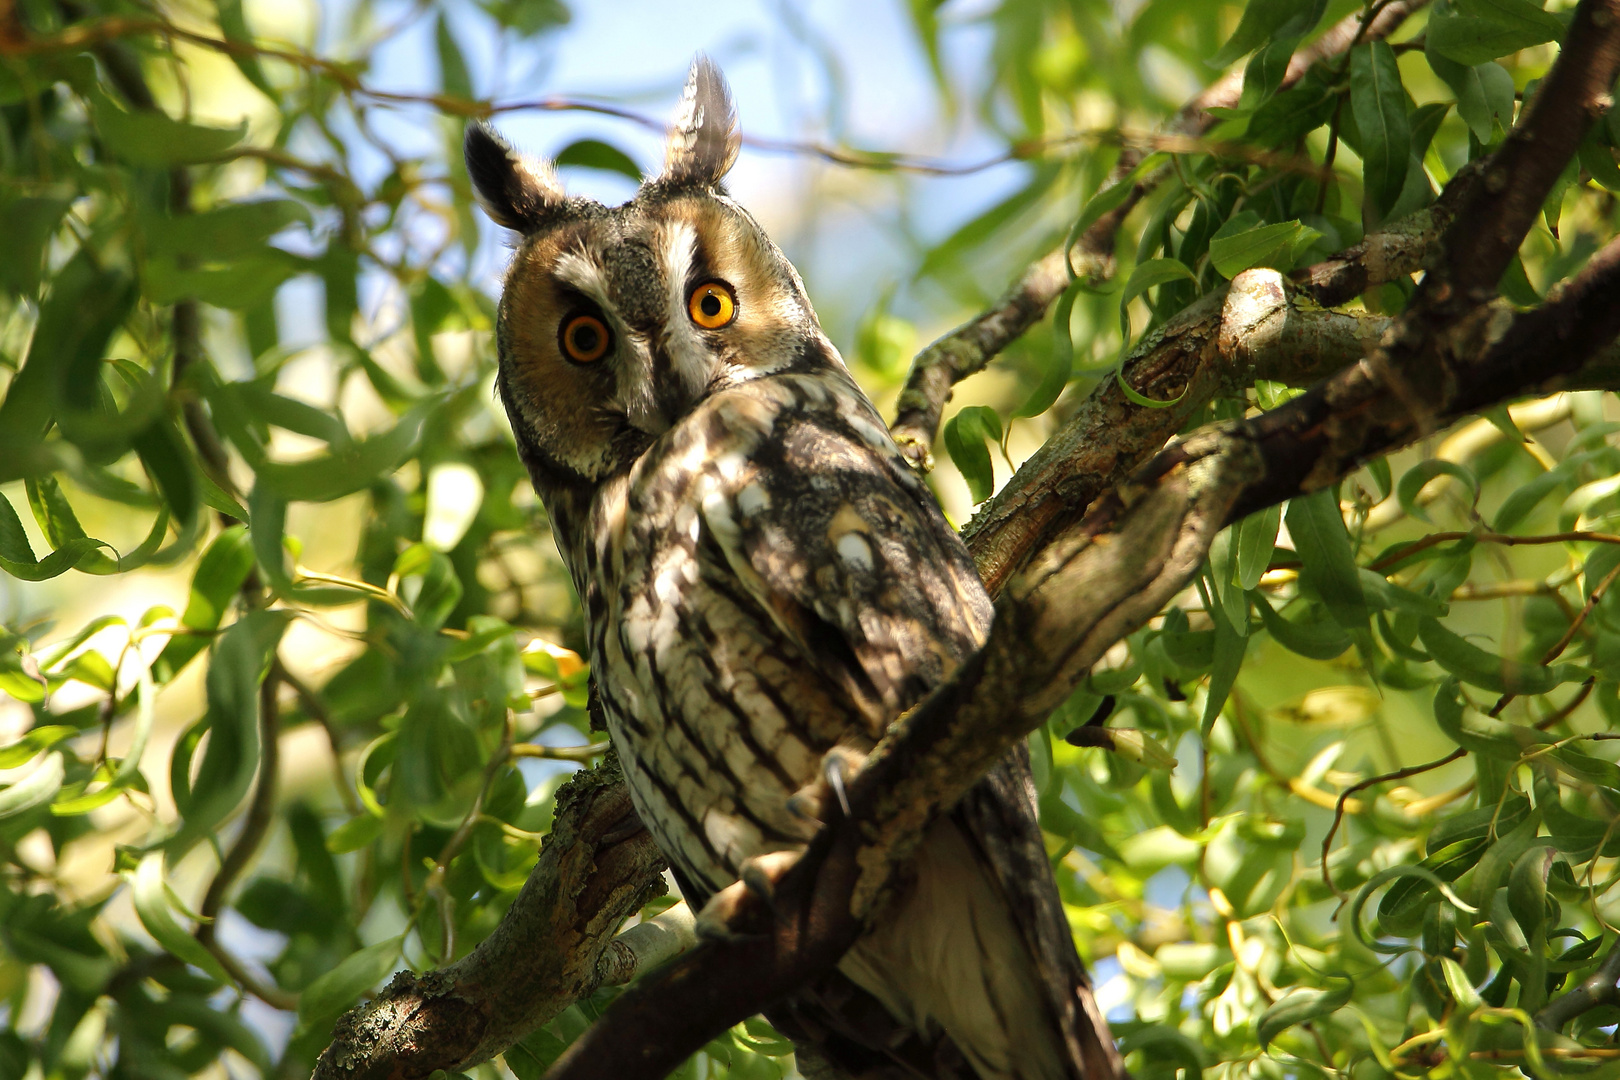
977,949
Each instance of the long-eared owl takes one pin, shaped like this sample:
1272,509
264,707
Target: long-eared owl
766,587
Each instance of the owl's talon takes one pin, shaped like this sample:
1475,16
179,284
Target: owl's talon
835,779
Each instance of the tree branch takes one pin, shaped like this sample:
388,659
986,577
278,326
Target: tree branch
1602,987
970,347
1261,326
596,869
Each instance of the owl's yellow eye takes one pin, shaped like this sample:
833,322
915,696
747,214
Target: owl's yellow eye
585,339
712,305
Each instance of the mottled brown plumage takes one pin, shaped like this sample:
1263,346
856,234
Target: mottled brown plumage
766,587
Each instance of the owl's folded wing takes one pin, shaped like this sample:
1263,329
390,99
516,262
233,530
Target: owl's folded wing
844,549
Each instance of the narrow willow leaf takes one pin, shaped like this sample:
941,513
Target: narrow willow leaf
595,154
1487,29
1061,364
1477,667
1419,475
965,441
1316,639
337,989
35,789
453,75
1268,20
1277,246
1257,539
17,555
17,754
150,138
1301,1006
1330,569
1378,101
152,906
238,664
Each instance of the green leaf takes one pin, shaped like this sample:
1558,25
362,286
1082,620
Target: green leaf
1419,475
17,555
595,154
219,574
1597,158
965,438
228,231
1317,639
167,460
336,990
1277,246
38,787
1256,540
152,905
30,220
240,284
1145,276
1300,1006
1061,365
233,24
345,469
453,75
152,139
1330,568
1268,20
1378,103
1487,29
86,304
354,834
1477,667
1485,92
17,754
241,656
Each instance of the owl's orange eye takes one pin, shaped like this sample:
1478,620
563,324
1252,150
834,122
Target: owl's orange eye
712,305
585,339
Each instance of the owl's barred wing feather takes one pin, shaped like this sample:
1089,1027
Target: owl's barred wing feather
846,551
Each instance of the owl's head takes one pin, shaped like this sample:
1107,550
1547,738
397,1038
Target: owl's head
617,321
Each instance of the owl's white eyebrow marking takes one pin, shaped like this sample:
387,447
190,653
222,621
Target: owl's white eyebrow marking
578,269
694,363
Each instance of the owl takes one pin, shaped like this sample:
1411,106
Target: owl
766,587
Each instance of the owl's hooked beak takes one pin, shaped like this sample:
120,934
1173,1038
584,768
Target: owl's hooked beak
658,385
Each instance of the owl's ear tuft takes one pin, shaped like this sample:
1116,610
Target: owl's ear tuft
703,137
516,191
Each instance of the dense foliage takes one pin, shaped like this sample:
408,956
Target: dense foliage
1392,833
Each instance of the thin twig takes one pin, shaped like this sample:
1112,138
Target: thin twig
1406,552
1363,785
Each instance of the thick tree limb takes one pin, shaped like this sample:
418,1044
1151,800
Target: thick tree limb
597,868
1107,575
971,346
